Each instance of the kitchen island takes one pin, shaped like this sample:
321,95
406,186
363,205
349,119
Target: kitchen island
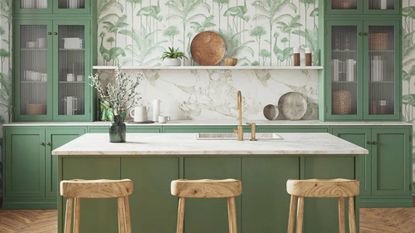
153,160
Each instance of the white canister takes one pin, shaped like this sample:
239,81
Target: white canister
41,43
70,77
163,119
139,114
156,110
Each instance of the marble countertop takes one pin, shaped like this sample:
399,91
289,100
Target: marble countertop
213,123
187,144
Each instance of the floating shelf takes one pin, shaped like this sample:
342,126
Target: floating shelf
210,67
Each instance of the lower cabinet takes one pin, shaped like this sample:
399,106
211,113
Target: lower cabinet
386,171
30,169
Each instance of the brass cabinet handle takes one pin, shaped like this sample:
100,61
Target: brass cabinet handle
49,33
43,144
55,33
49,144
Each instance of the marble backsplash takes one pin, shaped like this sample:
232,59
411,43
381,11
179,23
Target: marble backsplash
211,94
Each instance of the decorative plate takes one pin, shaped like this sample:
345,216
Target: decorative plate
208,48
293,105
271,112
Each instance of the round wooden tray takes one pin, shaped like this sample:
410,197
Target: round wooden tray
293,105
208,48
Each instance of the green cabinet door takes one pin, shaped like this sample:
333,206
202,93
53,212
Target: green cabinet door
210,215
153,208
392,161
265,200
24,167
56,137
360,137
97,215
292,129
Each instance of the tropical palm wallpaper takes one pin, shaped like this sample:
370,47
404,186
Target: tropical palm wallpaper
5,59
257,32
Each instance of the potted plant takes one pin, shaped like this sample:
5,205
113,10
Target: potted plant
121,95
172,57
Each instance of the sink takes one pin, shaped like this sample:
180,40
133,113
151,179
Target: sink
233,136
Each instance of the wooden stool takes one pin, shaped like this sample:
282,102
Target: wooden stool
228,188
337,188
74,190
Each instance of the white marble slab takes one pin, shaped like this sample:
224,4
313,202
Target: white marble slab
187,144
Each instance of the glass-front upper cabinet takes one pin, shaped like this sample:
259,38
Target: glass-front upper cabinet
345,63
52,6
383,70
33,81
363,6
71,76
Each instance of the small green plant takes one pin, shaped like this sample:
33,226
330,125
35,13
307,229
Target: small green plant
173,53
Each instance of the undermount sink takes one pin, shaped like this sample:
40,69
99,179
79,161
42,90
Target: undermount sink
233,136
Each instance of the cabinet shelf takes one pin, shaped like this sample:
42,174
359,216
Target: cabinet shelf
74,82
61,49
33,50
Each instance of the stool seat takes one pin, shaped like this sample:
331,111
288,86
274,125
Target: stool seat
96,188
206,188
323,188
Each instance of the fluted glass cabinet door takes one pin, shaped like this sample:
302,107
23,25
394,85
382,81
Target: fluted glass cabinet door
72,63
33,72
382,61
344,57
33,6
340,7
72,6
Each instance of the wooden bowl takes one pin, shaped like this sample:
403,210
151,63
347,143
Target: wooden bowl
35,109
208,48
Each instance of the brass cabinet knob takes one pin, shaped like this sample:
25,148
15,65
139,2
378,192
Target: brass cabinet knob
42,143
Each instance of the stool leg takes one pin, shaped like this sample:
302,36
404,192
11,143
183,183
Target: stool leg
232,215
300,214
291,216
121,215
68,215
127,215
77,215
180,215
352,217
340,203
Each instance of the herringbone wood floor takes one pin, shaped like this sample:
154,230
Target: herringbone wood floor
372,221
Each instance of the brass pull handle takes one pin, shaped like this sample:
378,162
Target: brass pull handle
374,143
43,144
49,144
369,143
49,33
55,33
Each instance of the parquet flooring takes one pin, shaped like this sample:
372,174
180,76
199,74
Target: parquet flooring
390,220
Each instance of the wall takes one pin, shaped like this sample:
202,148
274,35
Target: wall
5,60
257,32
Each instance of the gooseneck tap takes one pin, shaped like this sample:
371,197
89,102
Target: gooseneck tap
239,129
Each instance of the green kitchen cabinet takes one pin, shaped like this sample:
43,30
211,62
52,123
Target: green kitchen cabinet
56,137
31,170
197,210
52,63
386,171
353,7
362,60
24,171
36,7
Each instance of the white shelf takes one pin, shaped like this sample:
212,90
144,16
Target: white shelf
210,67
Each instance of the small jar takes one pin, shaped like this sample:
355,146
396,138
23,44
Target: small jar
308,57
296,57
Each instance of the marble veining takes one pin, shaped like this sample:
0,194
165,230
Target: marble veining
187,144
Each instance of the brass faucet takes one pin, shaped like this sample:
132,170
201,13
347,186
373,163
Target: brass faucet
253,131
239,129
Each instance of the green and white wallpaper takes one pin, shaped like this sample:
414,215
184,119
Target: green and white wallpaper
257,32
5,59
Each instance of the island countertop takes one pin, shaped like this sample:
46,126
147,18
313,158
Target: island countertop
187,144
